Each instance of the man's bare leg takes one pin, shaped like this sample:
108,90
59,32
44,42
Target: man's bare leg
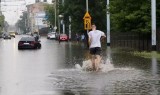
97,62
93,62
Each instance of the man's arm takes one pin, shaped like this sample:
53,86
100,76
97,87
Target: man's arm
103,36
89,39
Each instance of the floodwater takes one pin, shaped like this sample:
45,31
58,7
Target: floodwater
51,70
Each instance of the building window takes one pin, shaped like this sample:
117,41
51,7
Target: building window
45,1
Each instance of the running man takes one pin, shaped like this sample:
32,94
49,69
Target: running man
95,46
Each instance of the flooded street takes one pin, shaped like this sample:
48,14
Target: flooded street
51,71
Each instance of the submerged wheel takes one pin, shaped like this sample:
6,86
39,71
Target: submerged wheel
39,46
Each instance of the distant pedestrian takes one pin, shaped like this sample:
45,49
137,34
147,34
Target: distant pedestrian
77,37
82,37
95,46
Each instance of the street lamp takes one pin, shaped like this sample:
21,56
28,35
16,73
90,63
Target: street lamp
55,13
108,23
153,18
62,22
70,19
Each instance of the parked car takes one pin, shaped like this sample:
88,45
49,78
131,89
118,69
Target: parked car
63,37
29,43
51,35
6,36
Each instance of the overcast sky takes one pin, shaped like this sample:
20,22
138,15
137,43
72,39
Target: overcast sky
12,9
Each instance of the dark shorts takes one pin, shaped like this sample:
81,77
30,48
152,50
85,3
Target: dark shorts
95,51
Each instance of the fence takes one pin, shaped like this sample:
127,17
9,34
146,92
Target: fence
136,41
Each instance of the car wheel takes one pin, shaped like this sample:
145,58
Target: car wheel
19,48
39,46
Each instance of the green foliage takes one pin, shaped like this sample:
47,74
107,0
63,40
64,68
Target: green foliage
22,22
2,18
49,9
145,54
77,9
130,15
126,15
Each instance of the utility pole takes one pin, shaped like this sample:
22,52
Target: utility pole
63,26
153,12
59,28
63,19
87,29
55,15
70,27
108,23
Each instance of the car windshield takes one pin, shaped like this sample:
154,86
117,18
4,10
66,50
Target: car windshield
27,39
63,35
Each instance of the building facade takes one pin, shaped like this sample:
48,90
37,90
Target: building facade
36,16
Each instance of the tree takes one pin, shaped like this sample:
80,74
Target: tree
131,15
50,13
22,23
126,15
77,9
1,22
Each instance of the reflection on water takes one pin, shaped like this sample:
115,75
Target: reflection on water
154,67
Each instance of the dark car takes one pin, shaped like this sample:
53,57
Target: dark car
6,36
29,43
63,37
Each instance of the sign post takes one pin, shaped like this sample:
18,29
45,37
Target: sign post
87,22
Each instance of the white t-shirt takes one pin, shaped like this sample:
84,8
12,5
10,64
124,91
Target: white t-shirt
95,37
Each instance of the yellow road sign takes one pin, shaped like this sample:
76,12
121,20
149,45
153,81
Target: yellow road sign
87,21
87,15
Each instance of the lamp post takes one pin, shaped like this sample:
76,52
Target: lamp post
62,22
153,12
87,11
108,23
55,10
70,27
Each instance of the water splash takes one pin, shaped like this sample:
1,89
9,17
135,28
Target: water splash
105,66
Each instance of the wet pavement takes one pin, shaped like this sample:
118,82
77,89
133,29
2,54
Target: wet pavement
51,71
